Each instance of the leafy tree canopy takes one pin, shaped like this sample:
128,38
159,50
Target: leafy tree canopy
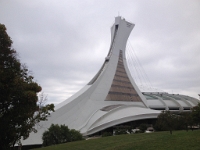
196,114
19,107
60,134
166,121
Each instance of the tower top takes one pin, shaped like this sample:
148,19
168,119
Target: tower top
120,18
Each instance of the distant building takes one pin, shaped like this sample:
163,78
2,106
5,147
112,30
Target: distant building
112,98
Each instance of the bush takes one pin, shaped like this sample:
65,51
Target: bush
120,131
60,134
107,134
75,135
143,128
138,131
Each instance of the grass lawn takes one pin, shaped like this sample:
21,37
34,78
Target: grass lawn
179,140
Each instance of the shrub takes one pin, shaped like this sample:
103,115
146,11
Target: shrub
60,134
75,135
107,134
143,128
120,131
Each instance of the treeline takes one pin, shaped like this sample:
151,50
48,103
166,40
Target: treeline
168,121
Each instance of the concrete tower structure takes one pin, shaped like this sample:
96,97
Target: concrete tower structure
112,96
109,99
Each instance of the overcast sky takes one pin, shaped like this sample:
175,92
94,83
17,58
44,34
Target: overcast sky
64,42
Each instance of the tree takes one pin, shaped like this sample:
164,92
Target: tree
19,108
75,135
165,121
196,114
187,120
60,134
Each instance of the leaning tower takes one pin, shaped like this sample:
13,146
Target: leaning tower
109,99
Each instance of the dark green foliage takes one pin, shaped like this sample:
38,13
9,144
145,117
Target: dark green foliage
143,127
120,131
107,134
186,121
168,121
75,135
196,114
56,134
165,121
138,131
130,127
60,134
19,108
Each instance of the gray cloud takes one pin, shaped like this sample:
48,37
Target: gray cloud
64,42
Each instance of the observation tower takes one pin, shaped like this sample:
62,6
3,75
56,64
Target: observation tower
111,97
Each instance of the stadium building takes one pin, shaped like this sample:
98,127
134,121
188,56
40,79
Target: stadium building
112,97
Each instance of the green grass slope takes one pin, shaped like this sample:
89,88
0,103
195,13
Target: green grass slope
179,140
